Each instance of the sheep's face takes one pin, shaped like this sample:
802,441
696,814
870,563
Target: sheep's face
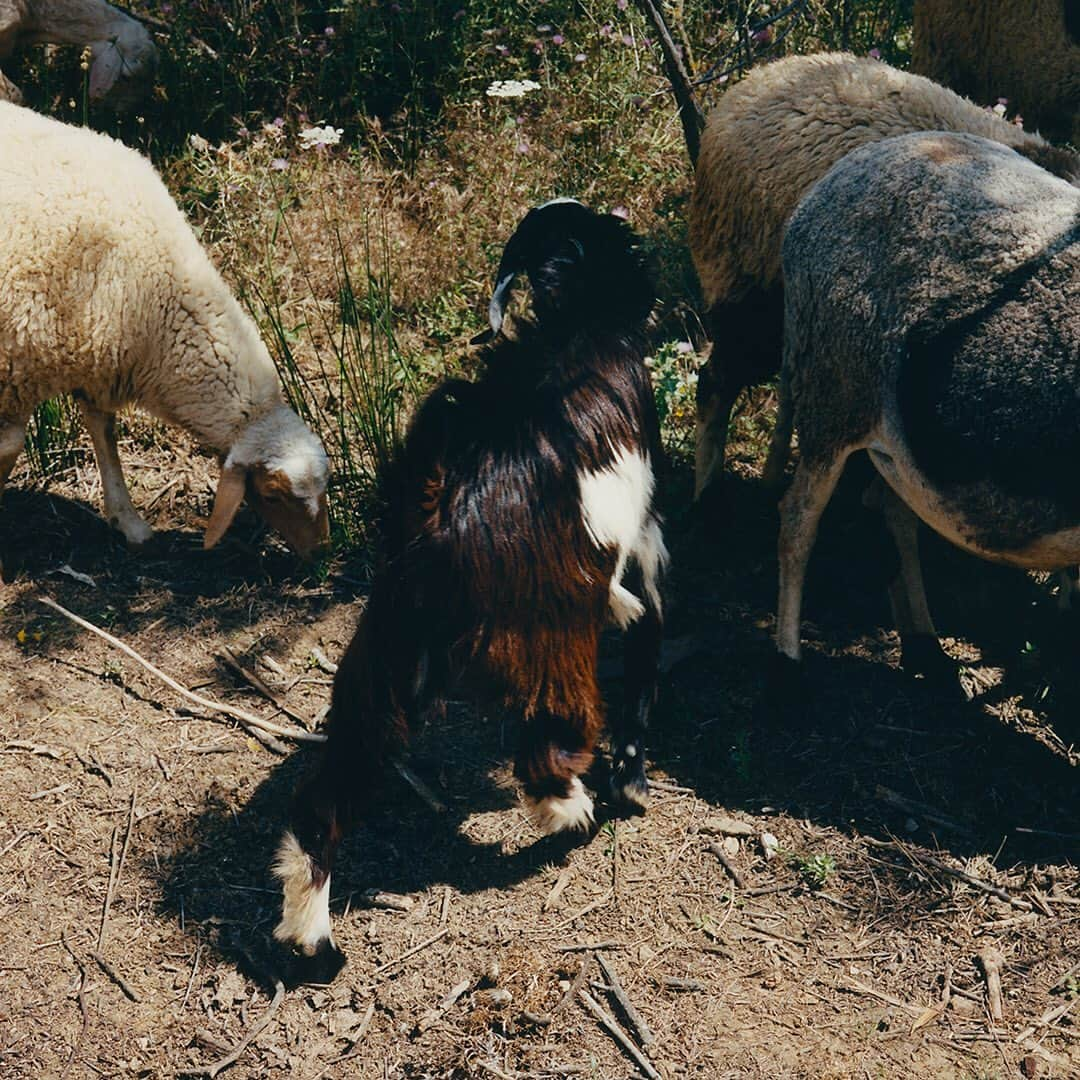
301,517
122,66
282,469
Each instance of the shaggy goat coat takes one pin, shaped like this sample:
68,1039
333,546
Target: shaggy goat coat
770,139
514,510
106,293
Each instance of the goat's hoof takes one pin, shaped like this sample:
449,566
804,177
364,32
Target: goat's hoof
923,659
629,788
319,969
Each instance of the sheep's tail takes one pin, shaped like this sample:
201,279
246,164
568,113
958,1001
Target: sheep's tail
586,270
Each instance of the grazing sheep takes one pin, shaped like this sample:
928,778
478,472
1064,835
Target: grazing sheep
515,508
1027,53
932,318
768,141
123,56
106,293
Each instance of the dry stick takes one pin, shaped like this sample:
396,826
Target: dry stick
254,1032
637,1021
116,868
990,960
436,805
690,114
82,1000
557,888
856,987
727,864
618,1034
960,875
543,1019
256,725
232,662
450,999
116,978
321,661
589,946
353,1037
411,952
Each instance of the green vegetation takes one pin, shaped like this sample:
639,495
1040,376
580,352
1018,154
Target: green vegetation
354,169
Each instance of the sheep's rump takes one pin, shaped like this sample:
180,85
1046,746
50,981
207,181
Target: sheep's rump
935,279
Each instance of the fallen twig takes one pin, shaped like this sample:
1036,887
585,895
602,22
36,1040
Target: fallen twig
557,889
116,978
918,809
390,964
945,868
856,987
353,1038
321,661
673,982
589,946
426,794
543,1019
254,1032
82,1000
232,662
618,1034
255,725
727,864
433,1016
637,1021
389,901
115,869
990,960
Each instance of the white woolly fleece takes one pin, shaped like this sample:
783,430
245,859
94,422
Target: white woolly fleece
104,289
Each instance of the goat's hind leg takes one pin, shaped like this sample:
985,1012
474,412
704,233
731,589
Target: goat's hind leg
641,661
553,753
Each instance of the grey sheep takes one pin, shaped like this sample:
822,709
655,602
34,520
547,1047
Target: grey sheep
932,318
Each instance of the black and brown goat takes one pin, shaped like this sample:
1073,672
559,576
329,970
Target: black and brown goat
514,509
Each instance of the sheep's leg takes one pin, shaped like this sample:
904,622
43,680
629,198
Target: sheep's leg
747,336
641,661
553,752
921,653
119,511
375,698
800,512
12,439
780,444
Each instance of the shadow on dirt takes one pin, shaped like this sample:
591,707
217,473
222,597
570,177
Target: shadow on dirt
984,777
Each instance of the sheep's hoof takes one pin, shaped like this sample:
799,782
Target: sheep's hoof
785,683
135,531
923,659
319,969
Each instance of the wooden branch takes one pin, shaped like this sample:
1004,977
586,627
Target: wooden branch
690,114
637,1021
435,804
411,952
727,864
990,960
618,1034
210,1071
232,662
255,725
433,1016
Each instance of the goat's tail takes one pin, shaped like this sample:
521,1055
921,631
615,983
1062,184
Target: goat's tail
586,270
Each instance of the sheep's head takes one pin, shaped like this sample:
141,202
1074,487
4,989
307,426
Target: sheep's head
282,468
123,64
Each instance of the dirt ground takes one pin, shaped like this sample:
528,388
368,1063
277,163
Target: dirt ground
851,952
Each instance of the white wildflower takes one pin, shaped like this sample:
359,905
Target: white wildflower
512,88
198,143
320,136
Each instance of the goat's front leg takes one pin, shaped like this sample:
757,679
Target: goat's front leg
119,511
641,662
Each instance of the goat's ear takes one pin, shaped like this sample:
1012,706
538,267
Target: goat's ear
105,69
504,279
230,494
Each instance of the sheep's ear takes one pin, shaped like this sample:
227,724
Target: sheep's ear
105,70
230,494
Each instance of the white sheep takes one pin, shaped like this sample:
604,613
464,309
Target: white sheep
105,293
123,56
768,141
932,318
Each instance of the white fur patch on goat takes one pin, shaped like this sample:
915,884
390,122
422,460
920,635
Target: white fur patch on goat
615,507
554,813
305,912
